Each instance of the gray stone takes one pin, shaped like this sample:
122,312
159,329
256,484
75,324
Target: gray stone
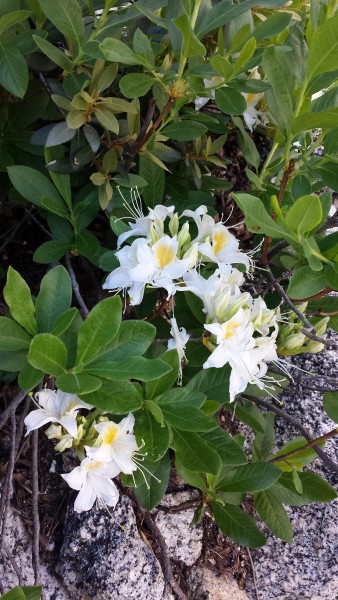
306,569
207,585
19,544
183,541
101,561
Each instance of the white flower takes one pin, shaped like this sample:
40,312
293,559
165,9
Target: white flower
223,248
54,432
252,116
93,479
56,407
178,342
141,227
204,222
141,265
263,318
117,444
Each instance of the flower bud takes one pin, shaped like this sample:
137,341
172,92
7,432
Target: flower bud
174,224
184,235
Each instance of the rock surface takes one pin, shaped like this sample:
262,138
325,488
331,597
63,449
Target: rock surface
206,585
18,543
184,542
308,568
99,560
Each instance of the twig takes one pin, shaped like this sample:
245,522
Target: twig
144,135
311,444
253,571
179,507
324,292
287,301
13,563
287,173
165,560
35,507
331,222
83,308
11,408
16,228
8,482
328,343
298,425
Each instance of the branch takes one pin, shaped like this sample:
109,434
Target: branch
11,408
83,308
311,444
160,541
144,135
287,174
298,425
35,507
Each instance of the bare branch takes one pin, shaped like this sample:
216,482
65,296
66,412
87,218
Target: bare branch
35,507
83,308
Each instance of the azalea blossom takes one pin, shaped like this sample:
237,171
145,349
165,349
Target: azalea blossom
56,407
93,480
141,265
155,218
179,341
223,248
204,222
117,444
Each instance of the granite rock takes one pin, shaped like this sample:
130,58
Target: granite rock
183,541
101,560
206,585
306,569
19,544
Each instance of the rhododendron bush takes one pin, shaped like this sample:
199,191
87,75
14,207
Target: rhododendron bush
187,151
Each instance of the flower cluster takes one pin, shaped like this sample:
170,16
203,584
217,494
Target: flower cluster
164,253
108,448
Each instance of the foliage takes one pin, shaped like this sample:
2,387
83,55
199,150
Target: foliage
100,99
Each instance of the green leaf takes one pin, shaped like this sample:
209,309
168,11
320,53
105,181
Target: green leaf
153,193
305,283
325,120
298,460
116,51
166,381
264,442
229,450
107,119
194,453
54,298
137,367
48,353
64,321
249,414
12,336
19,300
150,496
29,377
66,15
191,44
330,401
212,382
194,479
135,85
53,53
230,101
237,525
223,12
150,434
257,219
184,131
315,489
323,50
10,19
274,515
51,251
13,361
273,25
119,398
246,144
13,70
276,63
254,477
181,396
87,244
32,185
304,215
59,134
186,418
78,383
100,327
132,339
